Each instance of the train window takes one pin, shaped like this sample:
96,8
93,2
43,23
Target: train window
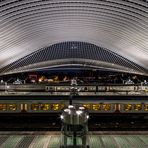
146,107
127,107
3,107
12,107
58,88
87,106
35,107
106,107
93,88
44,107
96,107
62,106
85,88
55,107
137,107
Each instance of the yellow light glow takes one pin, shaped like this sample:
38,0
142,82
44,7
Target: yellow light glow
3,107
137,107
55,107
12,107
106,107
87,106
96,107
35,107
40,80
127,107
146,107
62,106
44,107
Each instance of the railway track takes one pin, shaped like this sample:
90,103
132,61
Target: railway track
52,123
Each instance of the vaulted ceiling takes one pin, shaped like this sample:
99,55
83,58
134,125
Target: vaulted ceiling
111,34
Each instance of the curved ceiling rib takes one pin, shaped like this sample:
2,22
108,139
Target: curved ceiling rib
73,53
72,63
120,26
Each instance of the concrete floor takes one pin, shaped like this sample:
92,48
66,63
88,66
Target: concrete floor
53,140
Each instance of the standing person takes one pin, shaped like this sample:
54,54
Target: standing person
74,81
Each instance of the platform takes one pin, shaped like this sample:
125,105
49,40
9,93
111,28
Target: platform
52,139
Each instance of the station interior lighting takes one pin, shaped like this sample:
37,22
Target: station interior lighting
62,117
70,106
127,107
146,107
138,107
79,112
81,108
67,110
87,116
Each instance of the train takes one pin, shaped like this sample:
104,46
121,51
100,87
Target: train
56,106
66,88
42,98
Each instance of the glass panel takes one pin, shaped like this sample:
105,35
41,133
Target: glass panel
12,107
3,107
96,107
62,106
55,107
45,107
146,107
137,107
106,107
87,106
127,107
35,107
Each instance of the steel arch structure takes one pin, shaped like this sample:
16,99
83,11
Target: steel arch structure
119,27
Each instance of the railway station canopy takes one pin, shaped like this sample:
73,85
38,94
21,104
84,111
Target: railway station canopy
106,34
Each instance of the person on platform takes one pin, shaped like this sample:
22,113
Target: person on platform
74,82
65,79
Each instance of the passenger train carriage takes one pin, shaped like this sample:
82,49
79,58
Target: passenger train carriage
54,98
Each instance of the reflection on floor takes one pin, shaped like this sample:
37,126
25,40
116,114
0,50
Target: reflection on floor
52,140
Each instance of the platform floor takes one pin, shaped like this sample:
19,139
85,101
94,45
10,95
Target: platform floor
52,140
